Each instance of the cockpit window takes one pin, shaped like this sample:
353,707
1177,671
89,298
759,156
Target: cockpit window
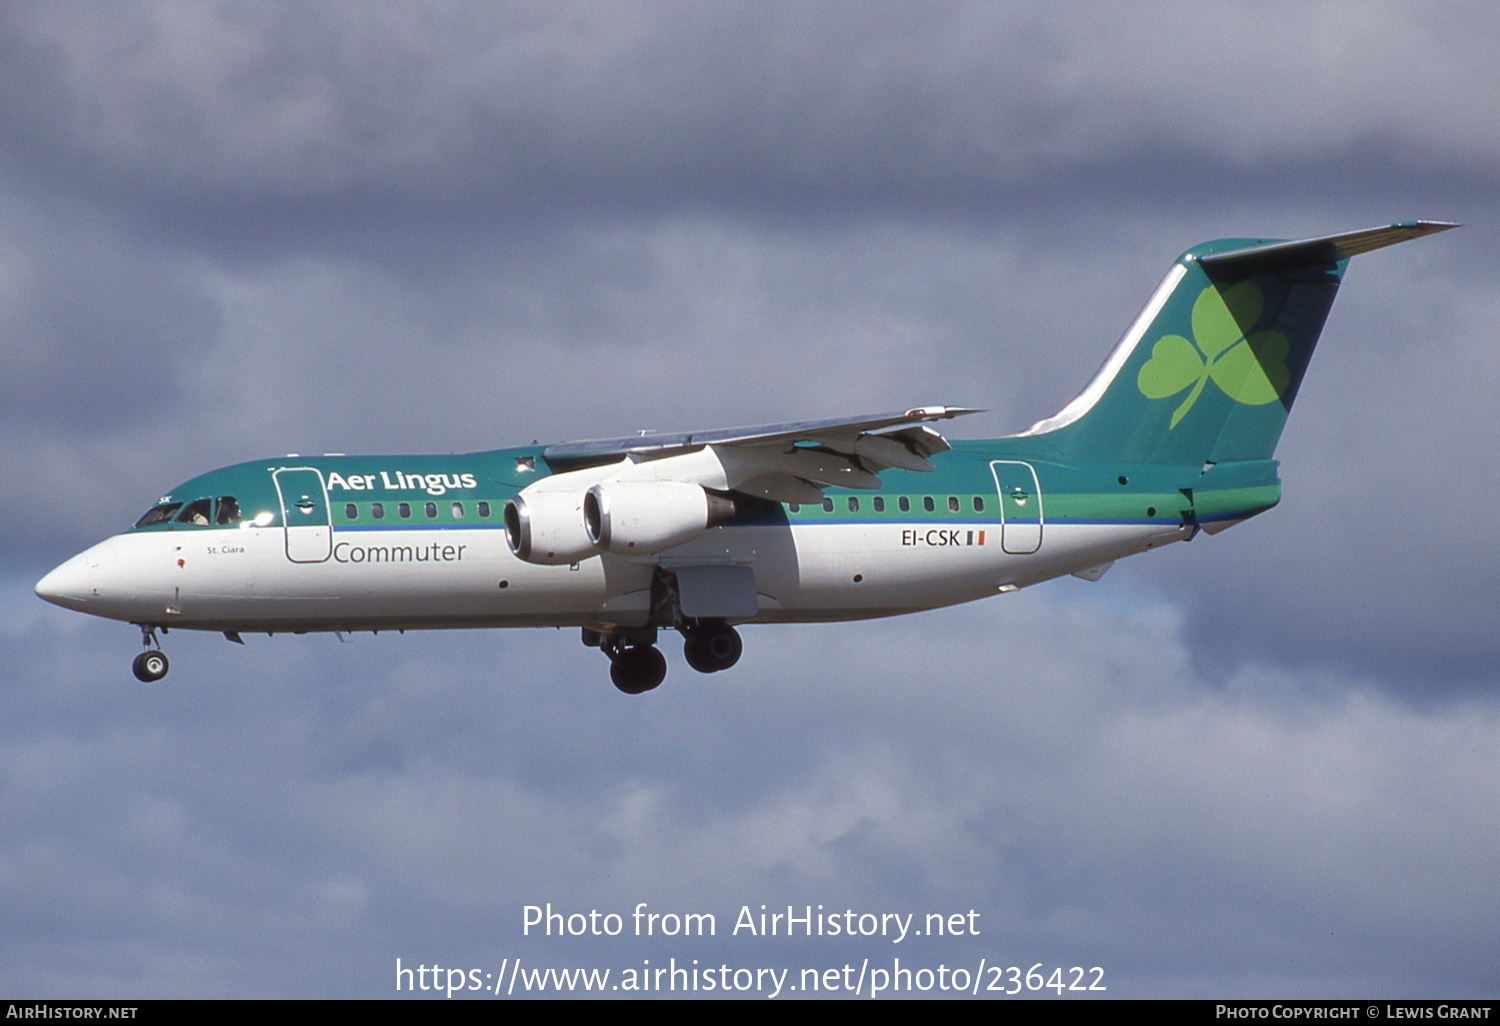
196,512
158,514
223,510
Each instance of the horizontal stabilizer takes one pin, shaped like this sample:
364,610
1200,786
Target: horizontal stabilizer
1322,251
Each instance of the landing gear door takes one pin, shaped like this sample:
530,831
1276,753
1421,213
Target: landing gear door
1020,506
304,514
717,591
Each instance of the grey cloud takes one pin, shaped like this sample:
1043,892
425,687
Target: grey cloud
595,107
1023,782
94,333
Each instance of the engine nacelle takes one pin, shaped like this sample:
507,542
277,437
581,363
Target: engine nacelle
547,528
642,517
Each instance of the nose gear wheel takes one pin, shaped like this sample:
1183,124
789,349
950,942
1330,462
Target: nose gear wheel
149,667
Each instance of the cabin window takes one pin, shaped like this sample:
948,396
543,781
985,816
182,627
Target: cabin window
978,504
350,512
484,509
853,504
794,506
196,512
928,504
430,509
879,502
827,505
458,511
953,504
403,510
227,511
158,514
904,504
377,510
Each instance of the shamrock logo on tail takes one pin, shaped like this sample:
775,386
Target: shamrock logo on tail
1249,369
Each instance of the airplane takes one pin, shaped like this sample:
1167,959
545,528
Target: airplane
704,531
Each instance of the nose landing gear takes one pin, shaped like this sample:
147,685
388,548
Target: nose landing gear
150,666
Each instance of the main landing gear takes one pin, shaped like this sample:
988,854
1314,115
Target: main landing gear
711,646
636,665
637,669
150,666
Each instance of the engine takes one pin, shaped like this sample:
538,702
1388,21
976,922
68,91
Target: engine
642,517
547,528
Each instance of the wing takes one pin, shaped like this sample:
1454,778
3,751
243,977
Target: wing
787,462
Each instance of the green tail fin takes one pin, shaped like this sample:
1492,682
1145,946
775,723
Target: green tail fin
1209,370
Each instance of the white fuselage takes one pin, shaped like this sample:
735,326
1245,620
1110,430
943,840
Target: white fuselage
410,578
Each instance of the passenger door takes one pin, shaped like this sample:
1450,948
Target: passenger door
304,514
1020,506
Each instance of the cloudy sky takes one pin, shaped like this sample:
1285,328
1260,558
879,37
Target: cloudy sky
1263,764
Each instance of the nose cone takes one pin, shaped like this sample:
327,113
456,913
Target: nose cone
128,577
70,585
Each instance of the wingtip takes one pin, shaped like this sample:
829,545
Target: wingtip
1427,227
941,412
